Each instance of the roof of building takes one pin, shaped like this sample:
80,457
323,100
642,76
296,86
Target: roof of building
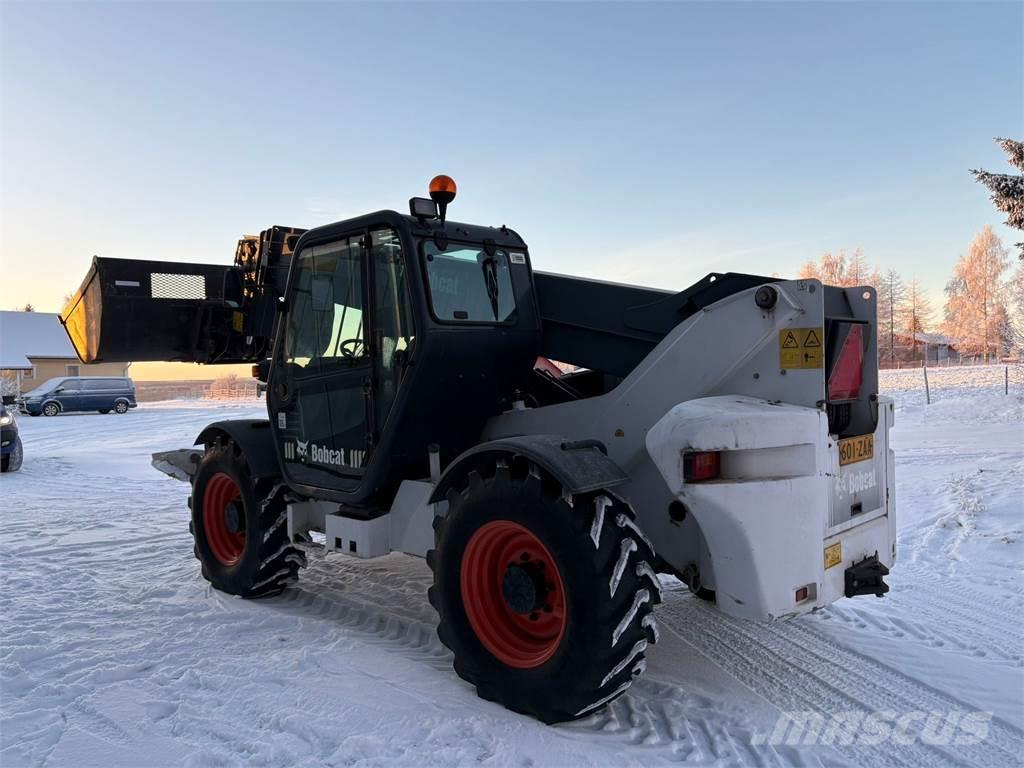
32,334
936,339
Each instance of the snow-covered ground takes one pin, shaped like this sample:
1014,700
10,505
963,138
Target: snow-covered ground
114,652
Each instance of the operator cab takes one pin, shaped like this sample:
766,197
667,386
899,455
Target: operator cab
396,332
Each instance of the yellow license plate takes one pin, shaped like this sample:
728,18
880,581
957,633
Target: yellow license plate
833,555
854,449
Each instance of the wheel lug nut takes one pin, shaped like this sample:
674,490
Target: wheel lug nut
534,616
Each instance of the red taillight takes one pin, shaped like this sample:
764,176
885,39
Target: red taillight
848,372
703,465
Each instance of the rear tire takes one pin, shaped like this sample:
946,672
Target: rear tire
240,527
121,407
556,634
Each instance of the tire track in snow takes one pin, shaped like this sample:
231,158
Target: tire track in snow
694,729
938,614
659,718
799,670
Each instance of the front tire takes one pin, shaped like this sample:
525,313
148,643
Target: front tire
51,409
240,527
12,461
545,601
104,411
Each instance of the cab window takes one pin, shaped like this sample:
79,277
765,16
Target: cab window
325,322
467,285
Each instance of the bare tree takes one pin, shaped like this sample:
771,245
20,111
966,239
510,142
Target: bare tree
1007,188
832,268
841,269
223,385
891,309
859,271
918,315
27,308
975,295
808,271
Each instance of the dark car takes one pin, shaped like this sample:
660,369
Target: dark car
10,441
80,393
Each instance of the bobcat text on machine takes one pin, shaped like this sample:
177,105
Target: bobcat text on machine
730,434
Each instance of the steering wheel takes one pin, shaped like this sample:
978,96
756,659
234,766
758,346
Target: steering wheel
357,348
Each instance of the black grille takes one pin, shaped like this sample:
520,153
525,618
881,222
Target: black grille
839,417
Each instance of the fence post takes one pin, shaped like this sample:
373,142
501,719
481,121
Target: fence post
927,392
1006,380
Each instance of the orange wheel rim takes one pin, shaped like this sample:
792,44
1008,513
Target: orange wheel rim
513,594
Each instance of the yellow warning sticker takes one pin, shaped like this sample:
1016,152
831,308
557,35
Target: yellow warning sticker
800,348
833,555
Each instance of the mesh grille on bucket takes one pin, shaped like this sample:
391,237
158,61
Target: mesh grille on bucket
169,286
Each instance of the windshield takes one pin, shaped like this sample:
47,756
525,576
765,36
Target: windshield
469,286
47,386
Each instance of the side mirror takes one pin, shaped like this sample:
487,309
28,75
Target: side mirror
58,390
10,399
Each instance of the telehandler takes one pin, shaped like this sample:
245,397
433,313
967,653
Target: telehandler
730,435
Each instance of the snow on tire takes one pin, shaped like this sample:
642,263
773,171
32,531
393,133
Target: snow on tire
235,524
544,599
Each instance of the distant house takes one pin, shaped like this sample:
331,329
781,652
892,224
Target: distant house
34,348
933,348
938,348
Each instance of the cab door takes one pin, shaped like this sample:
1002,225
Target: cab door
320,392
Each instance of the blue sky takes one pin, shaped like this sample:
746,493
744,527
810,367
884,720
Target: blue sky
645,143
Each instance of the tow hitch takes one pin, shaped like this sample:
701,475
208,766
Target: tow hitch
865,578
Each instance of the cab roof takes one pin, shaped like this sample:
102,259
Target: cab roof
502,236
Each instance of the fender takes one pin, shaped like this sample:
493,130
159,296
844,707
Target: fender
763,519
253,437
579,467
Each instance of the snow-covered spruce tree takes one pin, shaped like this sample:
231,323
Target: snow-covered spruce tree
1015,288
1002,331
1007,188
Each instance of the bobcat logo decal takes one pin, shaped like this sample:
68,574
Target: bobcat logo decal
320,454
